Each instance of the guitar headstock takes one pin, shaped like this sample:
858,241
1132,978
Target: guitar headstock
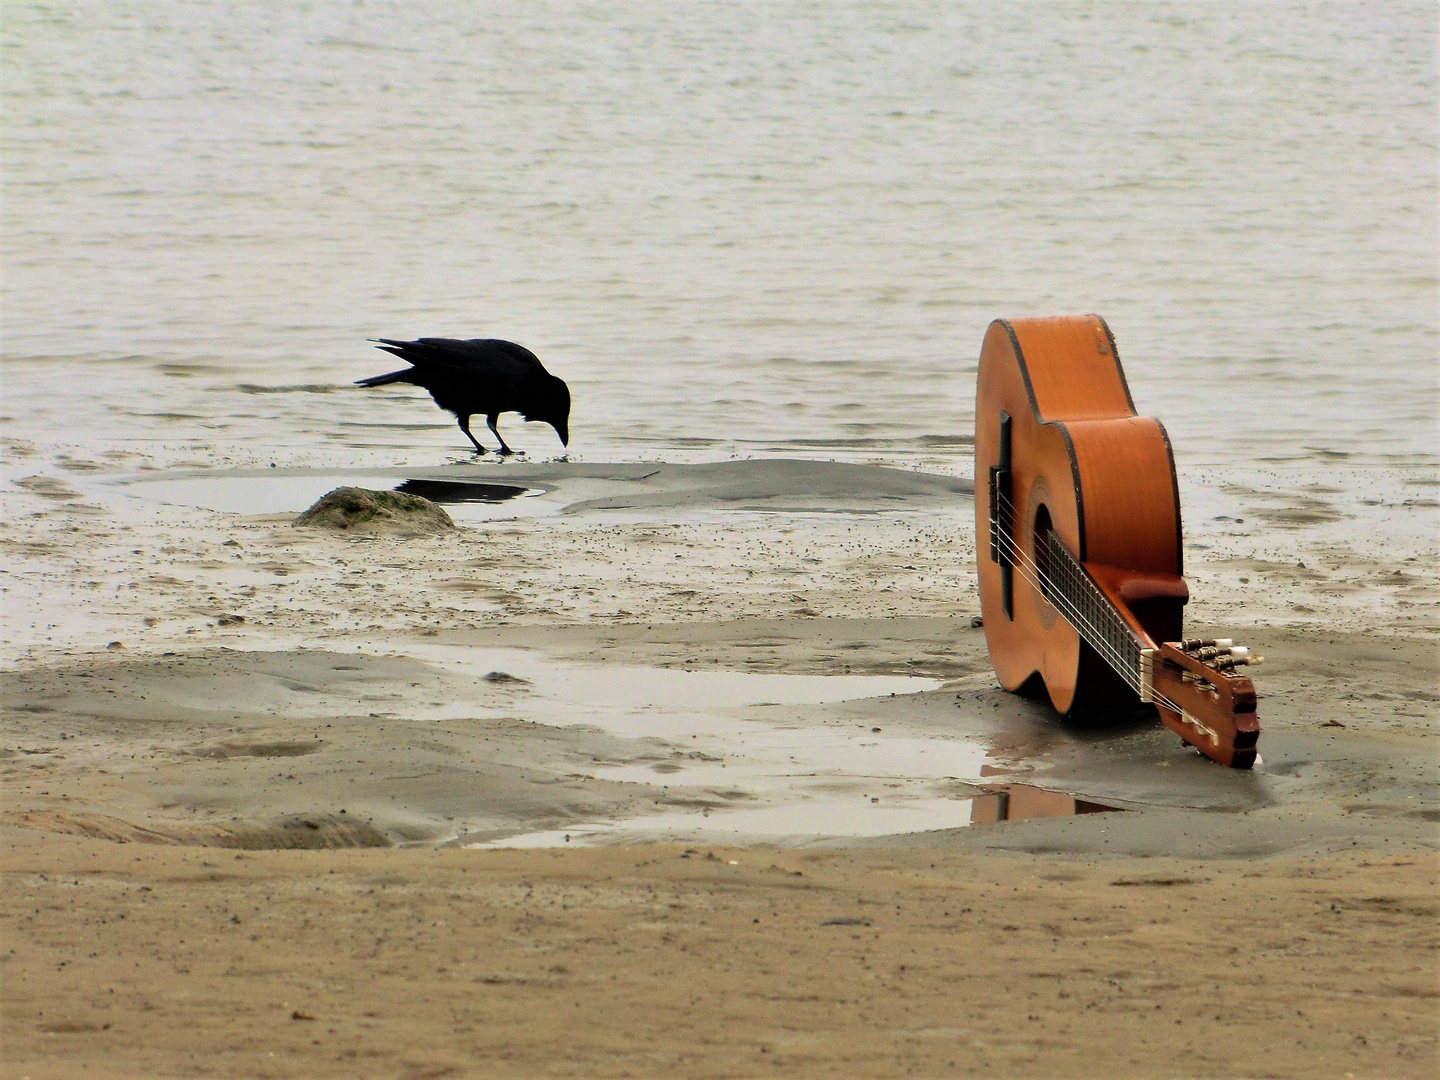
1202,696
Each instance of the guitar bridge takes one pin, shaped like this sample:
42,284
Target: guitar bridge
1002,540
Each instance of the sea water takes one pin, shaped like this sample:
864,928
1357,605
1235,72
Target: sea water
734,229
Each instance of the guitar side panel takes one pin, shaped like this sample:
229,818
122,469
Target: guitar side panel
1132,510
1031,639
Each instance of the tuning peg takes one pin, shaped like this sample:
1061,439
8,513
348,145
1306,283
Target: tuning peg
1192,644
1225,663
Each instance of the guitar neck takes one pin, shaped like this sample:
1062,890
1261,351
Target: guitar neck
1069,589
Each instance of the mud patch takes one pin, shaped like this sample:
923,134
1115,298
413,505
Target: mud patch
1286,509
1308,512
309,833
363,510
48,487
260,749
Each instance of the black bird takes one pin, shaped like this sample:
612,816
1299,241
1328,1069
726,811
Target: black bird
483,376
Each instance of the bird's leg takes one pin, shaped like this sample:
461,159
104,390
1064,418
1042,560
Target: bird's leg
465,427
491,420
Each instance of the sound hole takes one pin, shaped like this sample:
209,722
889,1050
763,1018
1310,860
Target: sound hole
1042,541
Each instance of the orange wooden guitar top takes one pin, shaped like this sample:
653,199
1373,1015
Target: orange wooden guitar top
1060,451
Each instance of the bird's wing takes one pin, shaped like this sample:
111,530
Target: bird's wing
523,357
501,361
505,362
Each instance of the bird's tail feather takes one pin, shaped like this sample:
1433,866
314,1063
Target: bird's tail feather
383,380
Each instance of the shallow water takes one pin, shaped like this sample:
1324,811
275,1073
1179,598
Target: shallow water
811,817
734,229
258,493
806,817
732,742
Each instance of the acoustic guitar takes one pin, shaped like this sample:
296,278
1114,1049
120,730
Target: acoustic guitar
1077,521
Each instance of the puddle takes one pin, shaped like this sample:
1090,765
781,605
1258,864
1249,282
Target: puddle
750,754
802,819
255,493
621,490
747,757
648,701
811,818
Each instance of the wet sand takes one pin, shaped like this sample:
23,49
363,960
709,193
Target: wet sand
187,691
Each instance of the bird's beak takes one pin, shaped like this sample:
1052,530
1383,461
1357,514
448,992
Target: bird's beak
563,430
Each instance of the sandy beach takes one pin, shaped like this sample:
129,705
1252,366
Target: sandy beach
671,746
265,815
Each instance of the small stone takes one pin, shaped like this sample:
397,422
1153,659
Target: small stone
976,622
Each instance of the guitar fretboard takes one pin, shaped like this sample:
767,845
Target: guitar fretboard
1068,589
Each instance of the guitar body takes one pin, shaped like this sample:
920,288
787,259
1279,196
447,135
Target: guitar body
1059,450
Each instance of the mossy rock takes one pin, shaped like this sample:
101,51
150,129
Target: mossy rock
355,509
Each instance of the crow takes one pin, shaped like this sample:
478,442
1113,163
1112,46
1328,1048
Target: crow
482,376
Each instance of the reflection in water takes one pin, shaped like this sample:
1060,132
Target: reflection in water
450,491
1016,802
810,816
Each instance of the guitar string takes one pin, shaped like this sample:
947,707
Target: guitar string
1020,556
1073,616
1081,623
1035,576
1078,620
1039,579
1030,571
